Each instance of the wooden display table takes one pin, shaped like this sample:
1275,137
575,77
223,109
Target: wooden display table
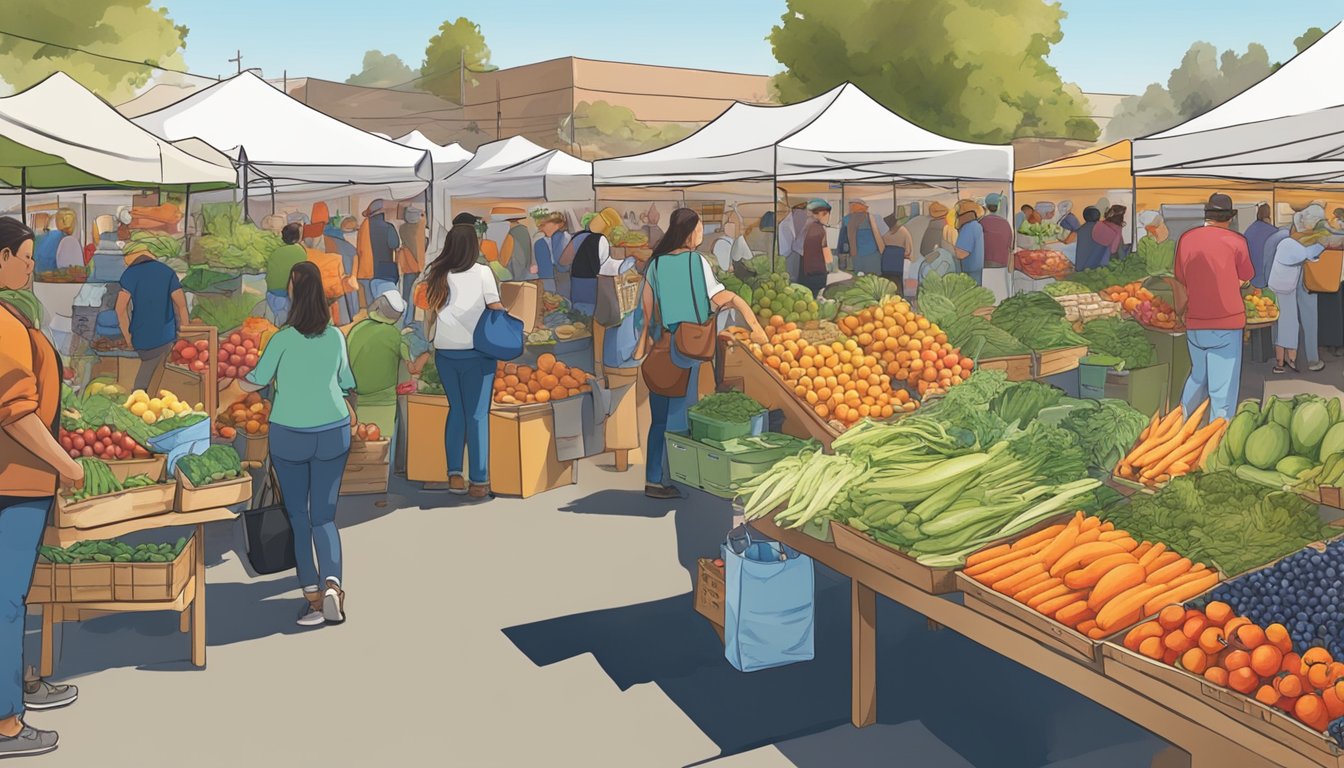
189,601
1210,737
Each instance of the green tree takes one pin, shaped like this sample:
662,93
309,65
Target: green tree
610,129
969,69
458,44
125,29
1307,39
382,70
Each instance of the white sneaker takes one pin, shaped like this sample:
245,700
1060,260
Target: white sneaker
333,603
311,615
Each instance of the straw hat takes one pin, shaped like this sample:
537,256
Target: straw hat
506,213
937,210
968,206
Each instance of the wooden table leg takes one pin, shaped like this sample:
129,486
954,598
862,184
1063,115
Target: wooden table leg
48,661
863,685
184,622
198,602
622,459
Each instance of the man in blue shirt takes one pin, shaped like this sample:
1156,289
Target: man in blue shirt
970,241
151,307
1257,235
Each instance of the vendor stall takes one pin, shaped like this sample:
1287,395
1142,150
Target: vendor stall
447,160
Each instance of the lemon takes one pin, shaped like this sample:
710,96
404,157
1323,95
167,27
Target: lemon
200,406
96,387
148,417
156,405
139,409
140,395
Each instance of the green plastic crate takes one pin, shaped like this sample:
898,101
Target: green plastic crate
706,428
683,459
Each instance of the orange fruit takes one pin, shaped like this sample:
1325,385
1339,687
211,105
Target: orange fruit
1267,695
1216,675
1247,636
1334,705
1289,685
1266,659
1318,675
1171,617
1211,640
1194,661
1317,655
1177,641
543,396
1242,680
1277,634
1235,660
1310,709
1152,647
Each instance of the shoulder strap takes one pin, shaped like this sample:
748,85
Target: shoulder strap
691,258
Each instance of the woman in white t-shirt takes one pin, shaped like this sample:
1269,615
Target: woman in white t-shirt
458,291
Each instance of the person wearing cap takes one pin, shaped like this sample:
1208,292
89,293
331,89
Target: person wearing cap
932,238
151,309
375,252
551,241
815,265
1257,236
1156,247
998,232
1297,306
1212,265
59,248
860,233
278,266
970,245
516,250
377,352
411,256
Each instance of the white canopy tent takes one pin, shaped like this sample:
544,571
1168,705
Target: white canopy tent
447,159
295,148
517,169
842,135
1286,129
59,136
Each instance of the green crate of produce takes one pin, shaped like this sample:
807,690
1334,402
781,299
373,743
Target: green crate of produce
728,465
683,459
707,428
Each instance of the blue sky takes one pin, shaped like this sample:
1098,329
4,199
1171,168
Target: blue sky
1107,47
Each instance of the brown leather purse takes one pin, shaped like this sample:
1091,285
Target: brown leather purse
697,340
661,373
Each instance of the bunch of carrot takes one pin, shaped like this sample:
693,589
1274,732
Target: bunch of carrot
1090,576
1171,446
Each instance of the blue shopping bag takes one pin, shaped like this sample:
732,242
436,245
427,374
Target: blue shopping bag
499,335
181,442
769,608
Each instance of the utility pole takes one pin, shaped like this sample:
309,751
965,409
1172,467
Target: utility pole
462,77
499,110
237,59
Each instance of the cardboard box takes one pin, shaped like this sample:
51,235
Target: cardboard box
213,496
522,452
426,416
113,582
1056,361
124,468
629,419
522,299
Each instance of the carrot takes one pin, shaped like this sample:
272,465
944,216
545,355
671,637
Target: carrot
1087,537
1061,544
1096,633
1176,440
1142,549
1083,555
1113,584
1152,554
1024,556
1034,581
1210,447
1041,536
1073,614
1107,527
1004,571
1049,607
1161,561
1088,576
1179,468
1010,584
1181,593
1148,430
987,554
1026,594
1194,574
1192,446
1112,535
1127,607
1090,523
1170,571
1087,626
1036,602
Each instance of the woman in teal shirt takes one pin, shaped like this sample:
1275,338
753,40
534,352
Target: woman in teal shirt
309,365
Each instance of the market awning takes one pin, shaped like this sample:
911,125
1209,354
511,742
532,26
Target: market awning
1104,168
1286,128
57,135
517,169
447,159
284,140
843,135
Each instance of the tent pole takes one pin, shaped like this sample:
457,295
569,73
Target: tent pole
774,247
272,197
88,225
186,221
247,215
23,195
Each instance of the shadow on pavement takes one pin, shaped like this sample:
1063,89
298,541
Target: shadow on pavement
988,709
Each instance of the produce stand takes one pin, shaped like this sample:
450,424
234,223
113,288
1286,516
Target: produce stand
1210,735
178,380
1052,362
187,581
764,386
1017,367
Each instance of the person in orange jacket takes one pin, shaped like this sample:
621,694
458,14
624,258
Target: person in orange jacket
376,253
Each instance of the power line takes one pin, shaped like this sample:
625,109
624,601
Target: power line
105,56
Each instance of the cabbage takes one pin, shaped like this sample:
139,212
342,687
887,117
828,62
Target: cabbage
1267,446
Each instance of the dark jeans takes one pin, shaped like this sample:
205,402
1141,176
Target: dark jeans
150,372
309,464
468,379
22,521
668,414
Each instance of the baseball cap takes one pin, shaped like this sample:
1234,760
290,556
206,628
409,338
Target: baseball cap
817,204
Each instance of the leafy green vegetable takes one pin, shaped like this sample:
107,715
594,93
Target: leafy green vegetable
865,291
218,463
732,407
232,243
1120,337
981,339
201,278
162,246
1061,459
1106,430
164,426
1023,400
945,298
226,313
1066,288
1219,518
1130,269
1037,321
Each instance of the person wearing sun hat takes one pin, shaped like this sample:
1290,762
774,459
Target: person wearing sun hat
151,309
377,352
860,236
970,245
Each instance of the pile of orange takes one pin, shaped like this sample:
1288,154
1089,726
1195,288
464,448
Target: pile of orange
549,380
1232,652
839,380
911,349
249,414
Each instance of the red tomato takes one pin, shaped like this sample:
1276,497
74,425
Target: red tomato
188,353
86,451
236,339
66,441
235,359
104,432
231,372
77,442
203,345
128,443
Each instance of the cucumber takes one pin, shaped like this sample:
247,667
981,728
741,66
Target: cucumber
1266,477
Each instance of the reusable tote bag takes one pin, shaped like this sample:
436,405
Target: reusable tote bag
499,335
770,604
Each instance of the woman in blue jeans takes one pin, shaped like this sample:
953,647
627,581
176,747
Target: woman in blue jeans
309,366
458,291
680,283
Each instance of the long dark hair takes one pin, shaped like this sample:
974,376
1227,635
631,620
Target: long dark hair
679,228
460,251
308,313
1116,215
12,234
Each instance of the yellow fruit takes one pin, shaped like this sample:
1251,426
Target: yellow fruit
156,405
149,417
140,395
200,406
138,409
96,387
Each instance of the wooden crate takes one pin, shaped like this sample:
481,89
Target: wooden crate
215,495
366,469
1039,627
935,581
1054,361
131,504
1017,367
113,582
124,468
710,593
767,388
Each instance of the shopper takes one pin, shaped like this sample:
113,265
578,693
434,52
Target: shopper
998,233
681,283
1212,264
790,239
548,247
1257,235
458,291
59,248
585,258
815,266
410,258
1156,247
860,236
311,420
970,244
934,223
1087,254
278,267
377,352
151,309
1297,306
1109,235
375,253
897,248
31,463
